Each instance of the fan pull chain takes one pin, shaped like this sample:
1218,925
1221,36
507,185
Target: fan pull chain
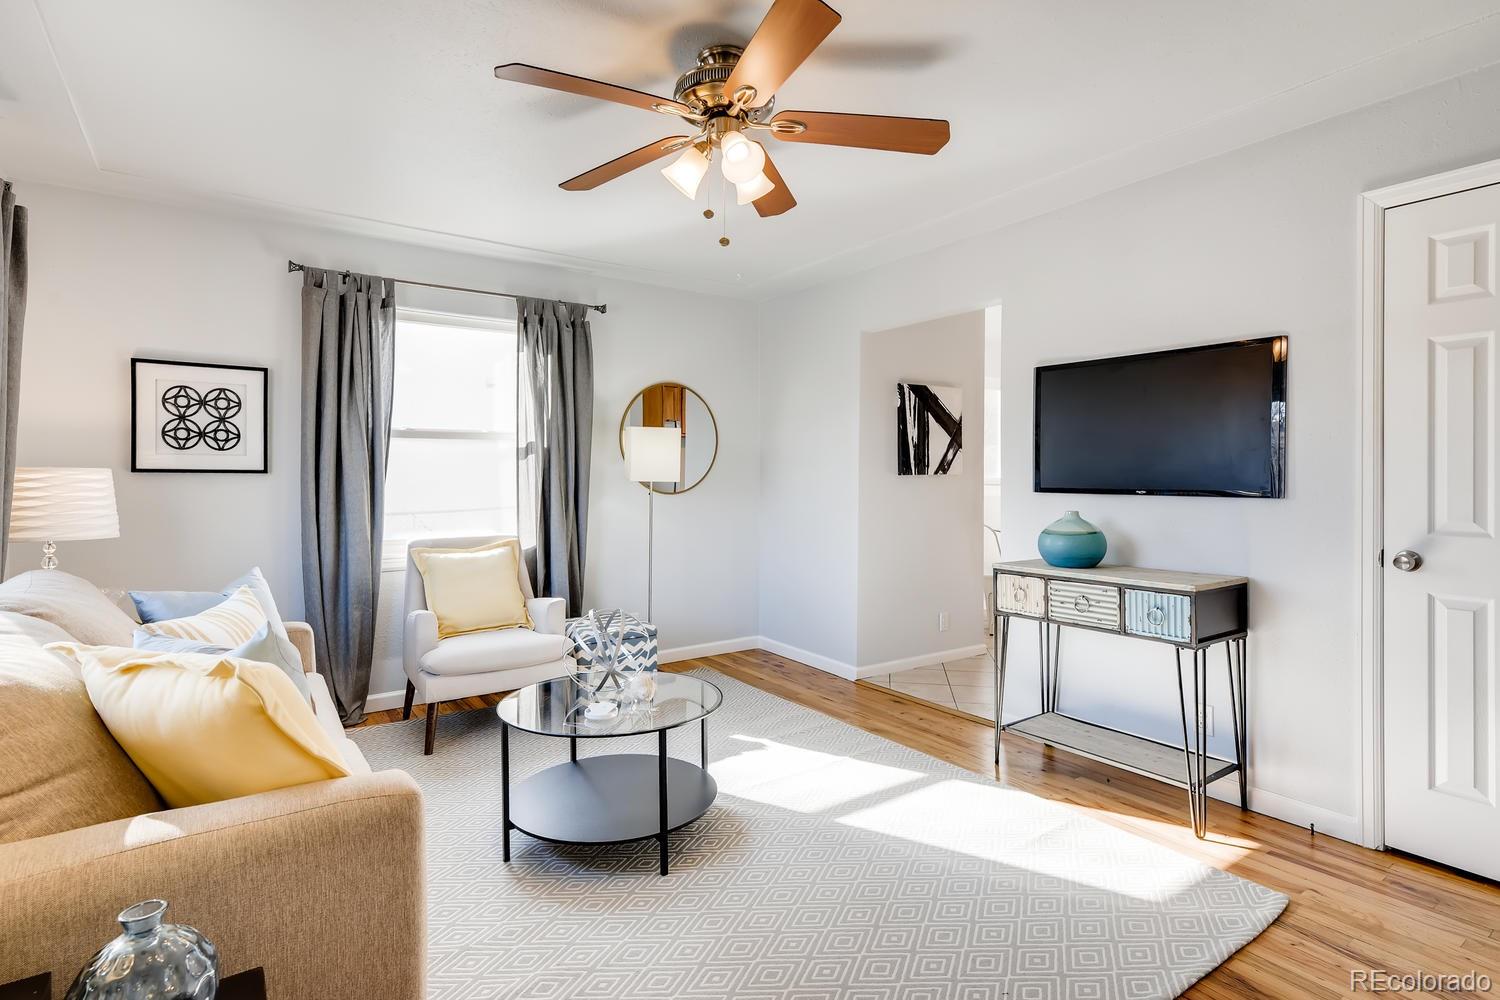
723,211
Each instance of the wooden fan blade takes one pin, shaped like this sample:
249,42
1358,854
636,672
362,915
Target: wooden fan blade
902,135
620,165
787,36
584,87
777,200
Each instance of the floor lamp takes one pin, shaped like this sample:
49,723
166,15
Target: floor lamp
652,455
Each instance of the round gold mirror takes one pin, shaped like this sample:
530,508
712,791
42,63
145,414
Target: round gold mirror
674,405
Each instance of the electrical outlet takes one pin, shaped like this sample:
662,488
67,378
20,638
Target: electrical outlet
942,621
1206,721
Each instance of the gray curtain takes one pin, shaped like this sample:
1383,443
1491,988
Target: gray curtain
348,366
555,426
12,312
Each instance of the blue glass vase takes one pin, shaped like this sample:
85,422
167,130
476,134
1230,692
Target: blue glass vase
1070,542
150,961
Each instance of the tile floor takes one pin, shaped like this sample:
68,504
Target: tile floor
967,685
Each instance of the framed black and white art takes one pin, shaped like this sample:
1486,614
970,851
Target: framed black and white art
190,417
929,429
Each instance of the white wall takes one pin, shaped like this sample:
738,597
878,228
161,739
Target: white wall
919,536
1262,240
112,278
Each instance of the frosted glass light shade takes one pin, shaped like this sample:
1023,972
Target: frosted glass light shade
686,172
756,187
743,158
63,505
653,454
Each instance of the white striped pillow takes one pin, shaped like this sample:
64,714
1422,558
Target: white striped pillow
231,623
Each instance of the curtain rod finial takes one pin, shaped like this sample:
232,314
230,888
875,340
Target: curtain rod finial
292,265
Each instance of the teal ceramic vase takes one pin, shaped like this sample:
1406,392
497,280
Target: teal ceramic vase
1070,542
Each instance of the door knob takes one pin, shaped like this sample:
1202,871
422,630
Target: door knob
1407,561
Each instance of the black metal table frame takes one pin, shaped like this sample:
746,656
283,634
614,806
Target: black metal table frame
661,750
1194,736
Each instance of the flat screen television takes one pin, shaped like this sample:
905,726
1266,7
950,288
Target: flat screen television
1198,421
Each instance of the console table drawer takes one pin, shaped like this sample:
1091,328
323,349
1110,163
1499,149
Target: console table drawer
1161,616
1020,595
1083,604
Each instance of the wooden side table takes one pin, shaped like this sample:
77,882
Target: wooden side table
1189,612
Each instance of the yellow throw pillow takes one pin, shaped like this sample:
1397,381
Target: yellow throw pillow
474,590
231,623
204,727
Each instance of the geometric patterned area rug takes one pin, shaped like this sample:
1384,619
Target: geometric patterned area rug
834,865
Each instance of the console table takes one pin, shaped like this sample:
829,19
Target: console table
1190,612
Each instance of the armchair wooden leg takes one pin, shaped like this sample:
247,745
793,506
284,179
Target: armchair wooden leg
432,716
411,692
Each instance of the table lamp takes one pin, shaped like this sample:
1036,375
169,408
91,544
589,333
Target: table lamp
652,455
62,505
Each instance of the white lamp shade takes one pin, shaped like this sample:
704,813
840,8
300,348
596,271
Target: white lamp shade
63,505
754,189
743,158
653,454
686,172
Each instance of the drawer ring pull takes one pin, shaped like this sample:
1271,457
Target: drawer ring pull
1156,616
1019,594
1081,604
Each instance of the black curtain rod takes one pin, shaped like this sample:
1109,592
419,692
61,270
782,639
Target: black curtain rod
292,266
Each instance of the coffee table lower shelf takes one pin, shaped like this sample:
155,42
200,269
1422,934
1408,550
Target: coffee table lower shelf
611,799
1127,751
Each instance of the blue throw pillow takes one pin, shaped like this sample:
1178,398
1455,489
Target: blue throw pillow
262,647
162,605
171,644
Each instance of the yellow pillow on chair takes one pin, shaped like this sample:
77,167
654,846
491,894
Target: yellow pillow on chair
474,590
203,727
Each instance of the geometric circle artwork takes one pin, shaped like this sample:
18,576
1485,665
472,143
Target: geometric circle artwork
221,435
197,417
222,403
181,401
180,432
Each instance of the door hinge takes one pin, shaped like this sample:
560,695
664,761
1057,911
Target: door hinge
1380,559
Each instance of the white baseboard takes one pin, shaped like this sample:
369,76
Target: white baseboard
384,701
1290,810
924,660
678,653
836,667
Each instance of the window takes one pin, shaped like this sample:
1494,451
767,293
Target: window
452,468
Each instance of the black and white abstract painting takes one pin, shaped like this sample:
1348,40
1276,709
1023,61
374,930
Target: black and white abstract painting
190,417
929,429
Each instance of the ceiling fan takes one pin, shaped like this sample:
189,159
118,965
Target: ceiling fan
731,92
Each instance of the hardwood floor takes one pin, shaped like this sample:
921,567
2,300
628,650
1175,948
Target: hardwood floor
1351,908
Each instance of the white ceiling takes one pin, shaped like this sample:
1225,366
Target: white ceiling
384,114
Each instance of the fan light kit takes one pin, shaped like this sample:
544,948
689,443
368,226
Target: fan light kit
729,92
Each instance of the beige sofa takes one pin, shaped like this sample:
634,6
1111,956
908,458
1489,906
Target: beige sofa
321,885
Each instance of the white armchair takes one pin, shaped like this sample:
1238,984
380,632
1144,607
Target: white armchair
464,666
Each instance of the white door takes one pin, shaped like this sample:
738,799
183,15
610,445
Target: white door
1442,445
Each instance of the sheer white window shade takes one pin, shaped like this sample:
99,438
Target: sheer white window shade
452,468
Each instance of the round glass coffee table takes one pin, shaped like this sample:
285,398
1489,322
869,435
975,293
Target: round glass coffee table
610,798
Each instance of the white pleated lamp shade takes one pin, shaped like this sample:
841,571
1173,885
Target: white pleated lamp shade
63,505
653,454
